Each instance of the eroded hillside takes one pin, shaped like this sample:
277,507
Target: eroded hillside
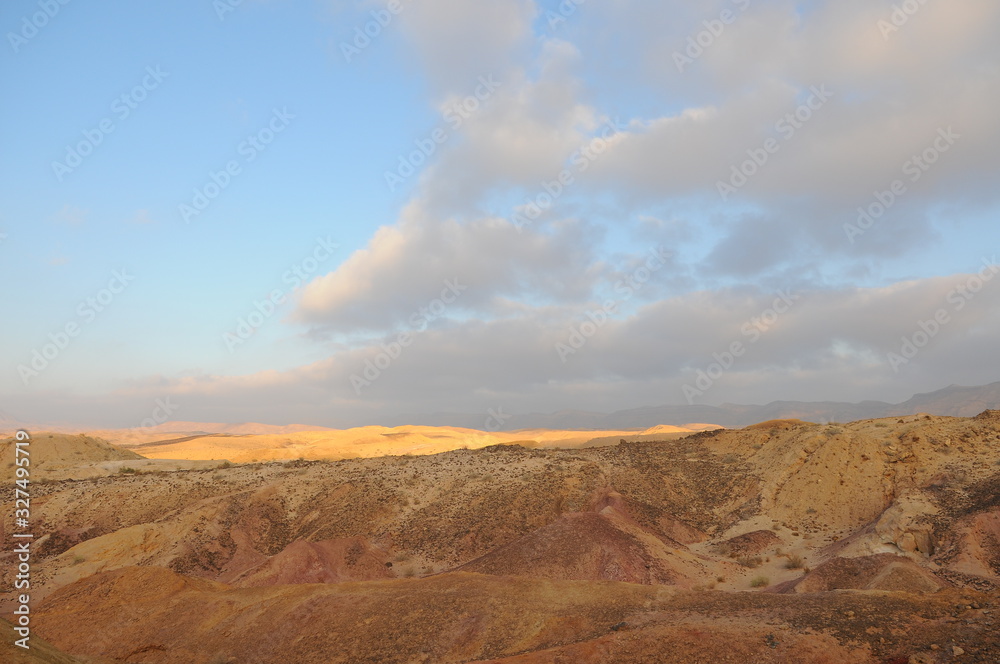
796,542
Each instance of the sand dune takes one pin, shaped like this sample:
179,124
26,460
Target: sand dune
362,442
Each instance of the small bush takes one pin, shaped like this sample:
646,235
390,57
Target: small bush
126,470
794,562
79,559
759,582
750,561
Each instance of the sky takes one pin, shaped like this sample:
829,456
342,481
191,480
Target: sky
343,213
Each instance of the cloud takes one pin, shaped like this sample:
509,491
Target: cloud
879,101
865,104
522,136
828,344
407,265
890,97
457,42
882,102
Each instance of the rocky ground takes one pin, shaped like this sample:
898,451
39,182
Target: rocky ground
873,542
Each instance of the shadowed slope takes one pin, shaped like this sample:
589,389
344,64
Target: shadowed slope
154,616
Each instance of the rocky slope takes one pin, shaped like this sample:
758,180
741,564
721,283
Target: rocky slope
875,541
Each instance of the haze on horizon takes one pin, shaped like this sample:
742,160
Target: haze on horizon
259,212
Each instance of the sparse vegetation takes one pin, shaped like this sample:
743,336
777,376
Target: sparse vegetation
794,562
543,501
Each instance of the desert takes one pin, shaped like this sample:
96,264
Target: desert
500,332
872,541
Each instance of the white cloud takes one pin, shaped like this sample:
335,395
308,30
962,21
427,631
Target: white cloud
456,42
826,346
406,265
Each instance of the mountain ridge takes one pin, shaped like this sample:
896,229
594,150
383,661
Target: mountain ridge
954,401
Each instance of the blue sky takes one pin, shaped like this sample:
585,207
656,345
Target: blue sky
537,93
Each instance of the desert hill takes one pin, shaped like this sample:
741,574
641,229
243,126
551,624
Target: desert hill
372,441
38,652
787,541
463,617
54,455
60,456
55,449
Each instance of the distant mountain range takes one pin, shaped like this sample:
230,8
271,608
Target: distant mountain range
254,428
9,424
955,400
